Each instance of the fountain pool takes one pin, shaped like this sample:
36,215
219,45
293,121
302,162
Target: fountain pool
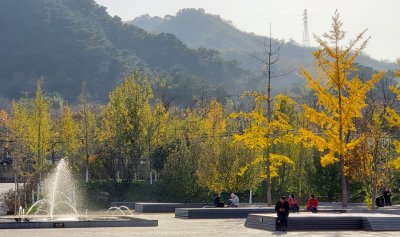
60,207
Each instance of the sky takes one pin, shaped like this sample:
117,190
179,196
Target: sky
380,17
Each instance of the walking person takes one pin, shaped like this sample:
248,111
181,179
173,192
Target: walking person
282,210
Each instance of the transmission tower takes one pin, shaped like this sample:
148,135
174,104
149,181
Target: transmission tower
306,37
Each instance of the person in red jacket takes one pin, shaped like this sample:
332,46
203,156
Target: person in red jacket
312,204
293,203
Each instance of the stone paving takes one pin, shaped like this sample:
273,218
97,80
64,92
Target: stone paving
171,226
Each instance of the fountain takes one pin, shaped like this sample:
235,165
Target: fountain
60,204
120,209
60,194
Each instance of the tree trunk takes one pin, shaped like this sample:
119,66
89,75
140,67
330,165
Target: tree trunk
269,116
268,179
344,183
87,174
373,195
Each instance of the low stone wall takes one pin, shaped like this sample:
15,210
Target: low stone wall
96,223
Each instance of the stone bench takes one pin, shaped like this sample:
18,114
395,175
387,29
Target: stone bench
222,212
326,221
231,212
90,223
130,205
142,207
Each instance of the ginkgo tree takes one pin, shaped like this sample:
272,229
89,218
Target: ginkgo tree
372,159
341,97
69,138
30,129
261,133
220,162
393,119
4,125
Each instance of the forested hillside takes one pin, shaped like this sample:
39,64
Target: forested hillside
70,41
66,42
212,31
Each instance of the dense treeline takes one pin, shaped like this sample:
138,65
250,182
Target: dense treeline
209,147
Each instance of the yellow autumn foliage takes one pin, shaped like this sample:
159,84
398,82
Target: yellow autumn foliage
260,134
340,98
393,119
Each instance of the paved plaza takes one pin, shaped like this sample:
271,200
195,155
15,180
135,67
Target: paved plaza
171,226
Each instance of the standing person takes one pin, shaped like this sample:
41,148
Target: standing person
282,210
234,200
312,204
293,203
387,194
217,201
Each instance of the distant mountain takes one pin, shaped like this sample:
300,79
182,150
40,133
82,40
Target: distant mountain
199,29
70,41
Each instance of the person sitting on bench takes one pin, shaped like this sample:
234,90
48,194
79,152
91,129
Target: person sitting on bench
282,210
217,201
234,200
293,203
312,204
380,201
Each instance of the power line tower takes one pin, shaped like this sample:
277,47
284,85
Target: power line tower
306,36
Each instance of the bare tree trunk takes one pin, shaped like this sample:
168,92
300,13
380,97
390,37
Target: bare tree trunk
87,165
269,116
344,183
373,195
15,192
86,174
271,51
268,179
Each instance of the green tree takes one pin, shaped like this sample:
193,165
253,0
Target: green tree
124,128
372,159
86,129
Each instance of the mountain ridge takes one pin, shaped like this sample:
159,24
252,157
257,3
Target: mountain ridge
229,40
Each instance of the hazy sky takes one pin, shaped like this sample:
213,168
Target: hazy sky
381,17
